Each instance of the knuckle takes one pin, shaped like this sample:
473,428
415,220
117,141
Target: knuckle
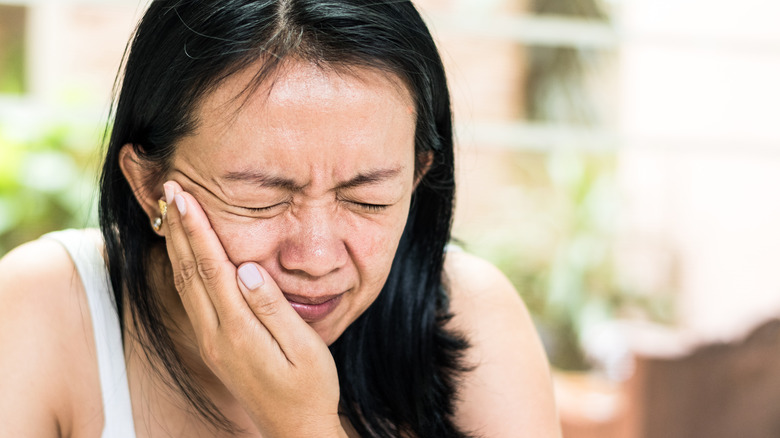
173,225
185,274
209,352
266,306
190,229
209,269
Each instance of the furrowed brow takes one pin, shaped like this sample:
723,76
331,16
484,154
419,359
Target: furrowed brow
370,177
263,180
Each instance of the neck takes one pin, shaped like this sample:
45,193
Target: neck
177,324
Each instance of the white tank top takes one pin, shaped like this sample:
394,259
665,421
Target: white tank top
86,253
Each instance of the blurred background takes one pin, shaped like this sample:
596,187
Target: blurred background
619,160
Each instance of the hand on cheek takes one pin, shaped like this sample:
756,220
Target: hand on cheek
247,332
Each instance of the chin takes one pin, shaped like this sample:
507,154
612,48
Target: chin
328,334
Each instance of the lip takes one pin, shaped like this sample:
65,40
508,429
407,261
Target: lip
313,309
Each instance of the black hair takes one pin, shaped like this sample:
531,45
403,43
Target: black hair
398,366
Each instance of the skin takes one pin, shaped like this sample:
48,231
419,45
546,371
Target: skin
298,151
317,152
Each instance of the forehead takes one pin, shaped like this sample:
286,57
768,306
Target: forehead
298,84
303,110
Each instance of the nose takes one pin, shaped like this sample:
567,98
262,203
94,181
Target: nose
313,246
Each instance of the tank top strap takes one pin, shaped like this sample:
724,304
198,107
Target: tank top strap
84,249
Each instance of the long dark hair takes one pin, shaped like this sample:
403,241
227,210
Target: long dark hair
398,366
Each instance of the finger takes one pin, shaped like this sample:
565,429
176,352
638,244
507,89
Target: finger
273,310
217,273
194,297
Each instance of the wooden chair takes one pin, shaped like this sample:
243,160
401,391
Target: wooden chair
723,390
729,390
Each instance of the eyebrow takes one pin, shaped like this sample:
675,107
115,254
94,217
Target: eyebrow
262,179
270,181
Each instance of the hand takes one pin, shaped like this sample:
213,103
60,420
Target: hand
250,337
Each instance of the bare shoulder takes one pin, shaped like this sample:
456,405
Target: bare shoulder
45,335
509,391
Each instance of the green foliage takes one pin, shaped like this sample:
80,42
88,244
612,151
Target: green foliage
47,182
560,253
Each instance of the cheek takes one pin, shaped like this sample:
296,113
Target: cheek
373,246
252,241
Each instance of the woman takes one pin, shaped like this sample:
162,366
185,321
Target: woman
275,203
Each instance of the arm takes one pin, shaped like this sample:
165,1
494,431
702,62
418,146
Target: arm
31,388
509,392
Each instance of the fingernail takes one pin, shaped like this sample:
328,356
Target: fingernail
180,204
250,276
168,188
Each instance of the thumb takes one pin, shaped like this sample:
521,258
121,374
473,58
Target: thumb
260,291
271,308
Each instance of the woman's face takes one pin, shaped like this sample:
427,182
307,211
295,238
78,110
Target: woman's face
311,177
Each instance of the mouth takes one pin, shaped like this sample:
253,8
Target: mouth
313,309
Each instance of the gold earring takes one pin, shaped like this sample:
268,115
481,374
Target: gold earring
163,208
157,224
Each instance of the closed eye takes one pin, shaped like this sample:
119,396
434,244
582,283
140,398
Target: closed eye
261,209
371,207
256,209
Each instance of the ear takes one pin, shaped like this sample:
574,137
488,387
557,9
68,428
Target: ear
137,174
424,162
